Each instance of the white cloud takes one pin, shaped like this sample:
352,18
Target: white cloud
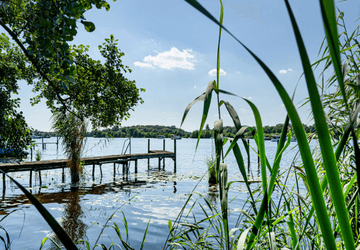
173,58
143,65
249,98
195,87
237,72
284,71
214,71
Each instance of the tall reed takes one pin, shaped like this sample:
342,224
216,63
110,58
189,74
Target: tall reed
327,220
72,131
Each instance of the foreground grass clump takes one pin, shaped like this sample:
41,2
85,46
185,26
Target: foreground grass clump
327,216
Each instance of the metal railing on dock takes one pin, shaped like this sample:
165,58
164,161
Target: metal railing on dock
43,145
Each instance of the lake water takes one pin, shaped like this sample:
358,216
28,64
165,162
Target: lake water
159,195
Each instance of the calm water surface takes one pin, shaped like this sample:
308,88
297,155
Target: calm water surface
150,195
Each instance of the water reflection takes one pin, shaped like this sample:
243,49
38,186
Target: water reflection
213,194
73,220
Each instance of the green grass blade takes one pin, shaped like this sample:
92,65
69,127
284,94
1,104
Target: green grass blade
260,143
276,165
224,201
218,58
357,157
187,109
234,116
332,171
241,165
330,25
145,233
242,239
218,49
207,102
258,221
126,226
294,239
58,230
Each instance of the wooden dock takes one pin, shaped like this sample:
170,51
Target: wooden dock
123,159
62,163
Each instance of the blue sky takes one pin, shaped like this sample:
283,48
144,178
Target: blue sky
171,49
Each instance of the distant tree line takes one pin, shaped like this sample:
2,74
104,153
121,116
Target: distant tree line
139,131
153,131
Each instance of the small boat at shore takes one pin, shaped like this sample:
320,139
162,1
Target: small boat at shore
176,137
11,152
276,138
161,137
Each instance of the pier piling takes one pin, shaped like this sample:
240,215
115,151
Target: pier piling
174,155
4,183
148,152
30,178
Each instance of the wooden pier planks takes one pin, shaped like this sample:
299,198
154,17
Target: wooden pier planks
61,163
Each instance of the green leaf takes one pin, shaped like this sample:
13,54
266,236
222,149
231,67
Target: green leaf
207,102
332,172
89,26
187,109
145,233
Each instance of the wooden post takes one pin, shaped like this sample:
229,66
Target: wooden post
136,166
40,178
63,175
159,162
4,184
114,169
174,156
164,157
57,143
100,170
93,172
31,150
30,178
123,170
148,152
42,142
127,169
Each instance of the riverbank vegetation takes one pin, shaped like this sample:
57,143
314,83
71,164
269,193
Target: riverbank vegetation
153,131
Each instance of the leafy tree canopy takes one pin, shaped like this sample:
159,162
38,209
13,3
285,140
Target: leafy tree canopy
64,74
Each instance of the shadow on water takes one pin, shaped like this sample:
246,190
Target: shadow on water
68,195
74,213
